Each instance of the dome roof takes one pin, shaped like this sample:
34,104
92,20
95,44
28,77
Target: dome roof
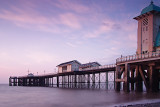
149,8
157,43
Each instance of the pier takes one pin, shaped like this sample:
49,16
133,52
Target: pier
130,73
137,72
90,78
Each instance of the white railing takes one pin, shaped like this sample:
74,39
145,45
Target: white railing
99,67
13,76
138,57
48,74
86,69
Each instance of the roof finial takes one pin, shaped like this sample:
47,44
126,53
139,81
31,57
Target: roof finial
151,1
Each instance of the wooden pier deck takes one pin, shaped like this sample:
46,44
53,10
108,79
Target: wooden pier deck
137,72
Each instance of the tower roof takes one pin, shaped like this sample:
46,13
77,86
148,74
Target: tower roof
149,8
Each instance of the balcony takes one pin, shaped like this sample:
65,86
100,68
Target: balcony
138,57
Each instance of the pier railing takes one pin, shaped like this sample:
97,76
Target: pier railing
99,67
138,57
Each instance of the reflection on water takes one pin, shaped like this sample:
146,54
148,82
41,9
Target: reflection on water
63,97
100,86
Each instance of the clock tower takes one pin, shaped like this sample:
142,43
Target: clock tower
148,35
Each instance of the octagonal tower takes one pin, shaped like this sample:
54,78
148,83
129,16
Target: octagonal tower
148,34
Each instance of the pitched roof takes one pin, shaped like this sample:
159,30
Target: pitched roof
149,8
69,62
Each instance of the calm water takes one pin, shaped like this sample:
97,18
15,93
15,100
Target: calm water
58,97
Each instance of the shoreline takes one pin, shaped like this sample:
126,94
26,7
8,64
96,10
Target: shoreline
142,103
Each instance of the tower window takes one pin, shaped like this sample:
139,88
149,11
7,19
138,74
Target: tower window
143,41
145,22
143,28
146,28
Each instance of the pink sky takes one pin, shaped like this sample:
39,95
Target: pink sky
39,34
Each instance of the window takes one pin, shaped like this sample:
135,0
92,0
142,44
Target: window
145,22
146,28
64,68
143,41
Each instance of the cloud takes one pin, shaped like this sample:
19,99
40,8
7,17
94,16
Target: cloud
71,44
70,5
105,27
70,20
31,18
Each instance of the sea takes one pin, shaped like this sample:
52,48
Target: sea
20,96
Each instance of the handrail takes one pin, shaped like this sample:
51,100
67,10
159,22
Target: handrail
86,69
138,57
38,75
99,67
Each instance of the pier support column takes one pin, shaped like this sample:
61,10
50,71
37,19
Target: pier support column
62,81
49,82
107,80
15,81
84,81
153,79
93,80
114,73
34,82
43,81
75,81
126,78
52,81
18,82
68,81
139,87
10,84
58,81
132,80
29,81
79,81
88,80
99,80
118,76
23,83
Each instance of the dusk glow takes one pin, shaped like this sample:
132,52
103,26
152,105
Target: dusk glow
40,34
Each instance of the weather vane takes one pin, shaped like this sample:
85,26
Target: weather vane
151,1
